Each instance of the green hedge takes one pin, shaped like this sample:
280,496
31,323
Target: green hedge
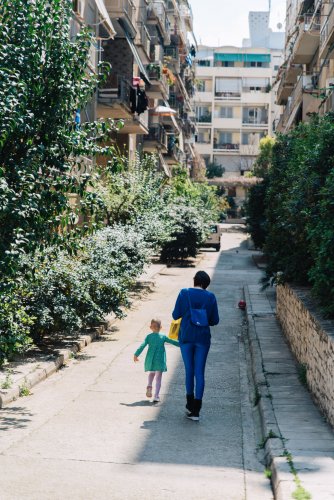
298,209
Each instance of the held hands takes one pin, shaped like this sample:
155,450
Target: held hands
135,359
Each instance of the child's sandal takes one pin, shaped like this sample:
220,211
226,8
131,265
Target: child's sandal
149,391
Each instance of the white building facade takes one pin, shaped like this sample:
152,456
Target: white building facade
234,104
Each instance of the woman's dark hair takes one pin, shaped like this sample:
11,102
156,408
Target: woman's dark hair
202,279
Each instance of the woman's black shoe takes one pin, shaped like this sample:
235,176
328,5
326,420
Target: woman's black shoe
194,414
190,402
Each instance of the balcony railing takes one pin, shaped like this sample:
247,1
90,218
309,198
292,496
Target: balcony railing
307,40
187,14
125,10
206,118
157,13
228,95
226,146
327,33
144,38
256,122
155,72
118,91
172,51
175,152
156,133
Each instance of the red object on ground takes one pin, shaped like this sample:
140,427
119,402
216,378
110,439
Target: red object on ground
242,304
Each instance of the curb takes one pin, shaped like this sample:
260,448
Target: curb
282,480
50,367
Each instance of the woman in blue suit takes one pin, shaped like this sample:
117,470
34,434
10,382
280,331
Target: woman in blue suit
198,309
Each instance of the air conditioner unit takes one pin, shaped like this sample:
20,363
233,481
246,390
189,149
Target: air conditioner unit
79,8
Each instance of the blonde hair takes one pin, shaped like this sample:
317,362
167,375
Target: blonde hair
157,321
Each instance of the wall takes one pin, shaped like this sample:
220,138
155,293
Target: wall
311,338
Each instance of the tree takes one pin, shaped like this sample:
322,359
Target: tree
214,170
255,205
44,81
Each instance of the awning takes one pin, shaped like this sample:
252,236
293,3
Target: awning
105,19
134,51
245,57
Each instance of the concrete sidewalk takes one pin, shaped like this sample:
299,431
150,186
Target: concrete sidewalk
299,444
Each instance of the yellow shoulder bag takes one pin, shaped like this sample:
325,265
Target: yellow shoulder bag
174,329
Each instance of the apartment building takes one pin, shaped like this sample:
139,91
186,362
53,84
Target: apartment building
306,78
234,110
151,77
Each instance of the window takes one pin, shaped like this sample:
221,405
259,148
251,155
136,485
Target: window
221,139
222,112
203,114
254,64
256,115
201,85
225,87
203,62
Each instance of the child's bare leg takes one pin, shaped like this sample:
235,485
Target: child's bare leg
158,377
151,376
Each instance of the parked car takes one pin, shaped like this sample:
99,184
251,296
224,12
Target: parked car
214,239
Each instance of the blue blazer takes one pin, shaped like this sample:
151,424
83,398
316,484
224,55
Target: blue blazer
200,299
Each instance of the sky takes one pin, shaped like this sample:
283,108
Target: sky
225,22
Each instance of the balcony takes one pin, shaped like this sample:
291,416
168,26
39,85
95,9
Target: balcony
174,153
307,40
156,14
204,118
328,105
301,96
143,39
227,96
114,99
226,147
255,123
284,91
327,37
124,11
156,139
114,102
172,57
287,83
187,14
159,85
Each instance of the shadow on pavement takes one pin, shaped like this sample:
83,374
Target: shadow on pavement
217,440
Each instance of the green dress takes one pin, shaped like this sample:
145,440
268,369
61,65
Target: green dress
155,360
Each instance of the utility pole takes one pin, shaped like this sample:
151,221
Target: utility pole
269,5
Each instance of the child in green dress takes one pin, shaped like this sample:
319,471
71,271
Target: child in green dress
155,361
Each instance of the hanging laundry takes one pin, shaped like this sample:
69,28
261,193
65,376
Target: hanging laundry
142,100
138,100
193,51
189,60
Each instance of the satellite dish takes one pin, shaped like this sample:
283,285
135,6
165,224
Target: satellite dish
280,26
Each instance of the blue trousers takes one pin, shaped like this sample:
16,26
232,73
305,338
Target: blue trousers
194,358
